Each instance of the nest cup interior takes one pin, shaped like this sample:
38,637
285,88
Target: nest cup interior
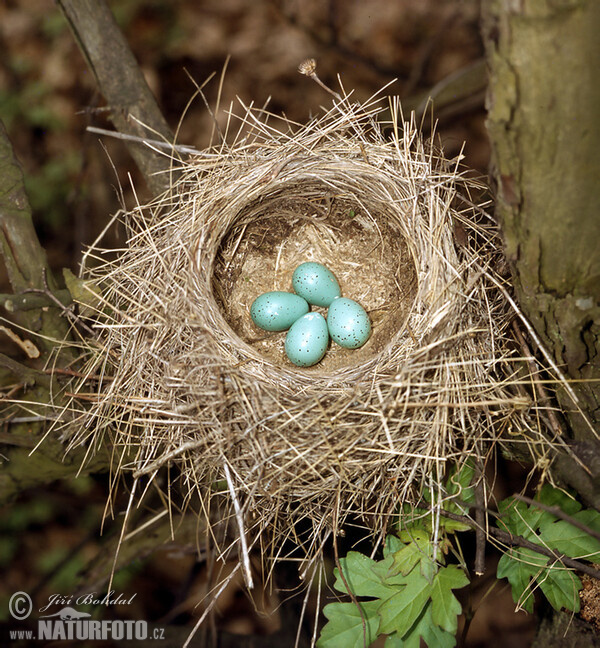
308,221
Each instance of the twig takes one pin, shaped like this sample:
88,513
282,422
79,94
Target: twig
559,513
134,108
341,572
480,529
24,257
26,374
210,606
65,310
240,523
544,398
30,301
180,148
519,541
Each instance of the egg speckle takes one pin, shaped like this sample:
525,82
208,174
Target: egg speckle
316,283
307,340
348,323
277,310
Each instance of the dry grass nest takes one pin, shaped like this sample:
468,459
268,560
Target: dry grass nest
180,375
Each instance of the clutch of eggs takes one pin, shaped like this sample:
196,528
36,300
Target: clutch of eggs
308,337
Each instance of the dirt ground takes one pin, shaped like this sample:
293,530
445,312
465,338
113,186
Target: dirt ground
48,97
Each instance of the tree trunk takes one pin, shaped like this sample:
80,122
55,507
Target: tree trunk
543,99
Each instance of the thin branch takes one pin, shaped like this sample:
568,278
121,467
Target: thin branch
27,375
559,513
480,529
544,397
134,110
30,301
180,148
240,523
25,259
519,541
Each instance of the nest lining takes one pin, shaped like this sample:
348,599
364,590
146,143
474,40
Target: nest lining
187,380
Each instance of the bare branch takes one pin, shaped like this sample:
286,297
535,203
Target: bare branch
122,83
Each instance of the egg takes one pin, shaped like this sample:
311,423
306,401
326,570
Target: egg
307,340
348,323
277,310
316,283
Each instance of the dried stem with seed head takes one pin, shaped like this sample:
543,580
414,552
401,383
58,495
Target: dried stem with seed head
309,69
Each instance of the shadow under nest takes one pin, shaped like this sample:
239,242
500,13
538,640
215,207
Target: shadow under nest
181,374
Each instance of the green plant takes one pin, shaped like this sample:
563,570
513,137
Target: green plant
409,594
524,567
411,589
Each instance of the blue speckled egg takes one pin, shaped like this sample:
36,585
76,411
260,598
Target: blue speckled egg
316,283
348,323
307,340
277,310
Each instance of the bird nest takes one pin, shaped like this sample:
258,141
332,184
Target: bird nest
184,378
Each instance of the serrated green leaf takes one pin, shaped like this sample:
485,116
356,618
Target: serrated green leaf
392,545
419,550
406,559
425,629
452,526
394,641
555,497
365,577
414,519
519,566
561,587
519,519
461,479
428,568
445,607
435,637
572,541
400,611
416,535
345,625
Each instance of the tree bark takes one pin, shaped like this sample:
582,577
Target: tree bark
24,257
543,99
122,83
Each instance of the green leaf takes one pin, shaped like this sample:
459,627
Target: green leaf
413,519
425,629
555,497
452,526
392,545
570,540
400,611
394,641
345,625
364,576
561,587
406,559
445,607
459,485
514,565
418,550
519,519
433,635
